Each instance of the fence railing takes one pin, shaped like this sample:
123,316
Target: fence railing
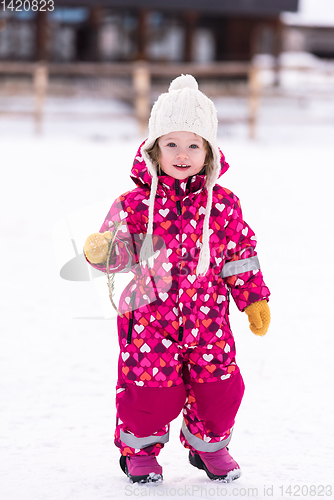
141,75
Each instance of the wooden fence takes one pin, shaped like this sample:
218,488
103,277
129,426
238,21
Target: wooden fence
141,74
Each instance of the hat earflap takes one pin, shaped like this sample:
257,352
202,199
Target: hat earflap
204,256
147,250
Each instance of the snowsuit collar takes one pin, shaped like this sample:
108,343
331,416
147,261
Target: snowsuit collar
169,186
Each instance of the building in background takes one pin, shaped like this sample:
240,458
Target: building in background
311,29
153,30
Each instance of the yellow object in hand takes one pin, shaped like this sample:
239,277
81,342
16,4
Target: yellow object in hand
259,317
96,247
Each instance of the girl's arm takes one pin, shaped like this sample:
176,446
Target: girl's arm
242,272
125,254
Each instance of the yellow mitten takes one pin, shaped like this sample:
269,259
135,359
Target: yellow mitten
96,247
259,317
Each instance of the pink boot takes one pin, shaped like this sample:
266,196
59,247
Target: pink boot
217,465
141,468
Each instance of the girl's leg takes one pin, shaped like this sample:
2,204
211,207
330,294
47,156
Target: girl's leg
209,413
143,416
214,389
150,390
209,416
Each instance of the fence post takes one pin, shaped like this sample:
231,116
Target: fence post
254,98
40,86
142,91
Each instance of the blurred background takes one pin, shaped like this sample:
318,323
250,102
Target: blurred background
77,82
79,66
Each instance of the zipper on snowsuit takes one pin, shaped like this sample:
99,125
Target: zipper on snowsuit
129,337
177,191
179,212
228,301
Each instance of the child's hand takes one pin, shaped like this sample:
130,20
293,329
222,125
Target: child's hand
96,247
259,317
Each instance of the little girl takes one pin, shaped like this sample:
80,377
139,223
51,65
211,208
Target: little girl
185,240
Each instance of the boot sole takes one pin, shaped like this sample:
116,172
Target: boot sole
196,461
152,477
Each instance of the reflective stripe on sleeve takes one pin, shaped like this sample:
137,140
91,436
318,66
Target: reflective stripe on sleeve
139,443
240,266
200,445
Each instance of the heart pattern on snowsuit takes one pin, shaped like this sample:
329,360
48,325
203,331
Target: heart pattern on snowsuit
174,322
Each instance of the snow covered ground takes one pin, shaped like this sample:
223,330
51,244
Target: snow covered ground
58,352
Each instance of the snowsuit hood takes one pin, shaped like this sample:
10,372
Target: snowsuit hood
144,171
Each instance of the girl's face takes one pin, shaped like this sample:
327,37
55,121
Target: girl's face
182,154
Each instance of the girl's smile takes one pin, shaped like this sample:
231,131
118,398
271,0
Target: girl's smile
182,154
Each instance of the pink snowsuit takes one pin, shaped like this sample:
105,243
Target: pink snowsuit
176,346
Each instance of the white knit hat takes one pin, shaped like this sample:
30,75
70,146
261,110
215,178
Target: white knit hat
183,108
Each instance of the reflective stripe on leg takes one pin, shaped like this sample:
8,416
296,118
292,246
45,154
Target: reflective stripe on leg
139,443
200,445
